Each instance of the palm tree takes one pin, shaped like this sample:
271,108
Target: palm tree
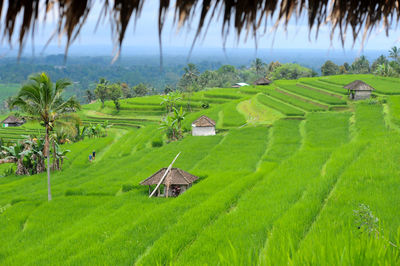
258,65
191,71
43,99
394,53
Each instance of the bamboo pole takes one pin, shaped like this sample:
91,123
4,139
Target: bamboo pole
165,174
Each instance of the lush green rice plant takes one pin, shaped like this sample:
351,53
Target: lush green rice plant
323,85
280,106
300,102
394,107
231,116
292,87
266,202
157,142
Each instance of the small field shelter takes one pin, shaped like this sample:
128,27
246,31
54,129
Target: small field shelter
176,182
13,121
262,81
203,126
359,90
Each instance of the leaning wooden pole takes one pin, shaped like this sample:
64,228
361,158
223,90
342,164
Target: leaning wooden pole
165,174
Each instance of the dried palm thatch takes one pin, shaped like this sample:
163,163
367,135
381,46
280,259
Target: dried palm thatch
247,16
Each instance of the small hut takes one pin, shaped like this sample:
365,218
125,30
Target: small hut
262,81
203,126
359,90
176,182
13,121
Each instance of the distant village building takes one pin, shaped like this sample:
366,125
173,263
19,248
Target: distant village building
262,81
359,90
203,126
240,84
176,182
13,121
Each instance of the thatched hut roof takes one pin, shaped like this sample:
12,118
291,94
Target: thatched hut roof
12,120
204,121
246,16
177,177
358,85
262,81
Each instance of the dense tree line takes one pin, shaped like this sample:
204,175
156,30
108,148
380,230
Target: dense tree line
382,66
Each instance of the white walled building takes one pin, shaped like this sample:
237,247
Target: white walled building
203,126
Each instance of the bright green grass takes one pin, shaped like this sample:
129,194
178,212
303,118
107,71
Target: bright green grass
394,107
314,82
246,224
279,106
231,116
267,195
324,98
380,84
300,102
256,112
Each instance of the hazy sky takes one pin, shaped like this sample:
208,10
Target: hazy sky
145,35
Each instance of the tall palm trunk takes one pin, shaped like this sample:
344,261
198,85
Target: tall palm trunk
47,153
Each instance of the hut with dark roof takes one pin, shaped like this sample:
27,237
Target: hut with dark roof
176,182
359,90
13,121
262,81
203,126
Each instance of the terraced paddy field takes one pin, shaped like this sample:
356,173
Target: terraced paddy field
279,184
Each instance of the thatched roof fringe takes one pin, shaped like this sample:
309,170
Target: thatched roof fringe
359,85
245,15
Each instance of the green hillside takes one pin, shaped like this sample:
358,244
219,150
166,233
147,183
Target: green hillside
280,183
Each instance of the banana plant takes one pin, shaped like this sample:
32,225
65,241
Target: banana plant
179,116
14,154
105,126
168,124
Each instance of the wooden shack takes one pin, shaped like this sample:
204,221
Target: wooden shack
13,121
262,81
175,183
359,90
203,126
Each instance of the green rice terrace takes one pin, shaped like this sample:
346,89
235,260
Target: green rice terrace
297,174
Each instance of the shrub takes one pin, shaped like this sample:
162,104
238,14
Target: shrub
75,192
127,187
158,142
205,105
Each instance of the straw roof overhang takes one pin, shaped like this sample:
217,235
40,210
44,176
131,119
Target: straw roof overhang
262,81
178,177
12,120
358,85
204,121
20,18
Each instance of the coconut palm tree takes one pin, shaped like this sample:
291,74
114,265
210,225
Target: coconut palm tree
43,99
394,53
258,65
